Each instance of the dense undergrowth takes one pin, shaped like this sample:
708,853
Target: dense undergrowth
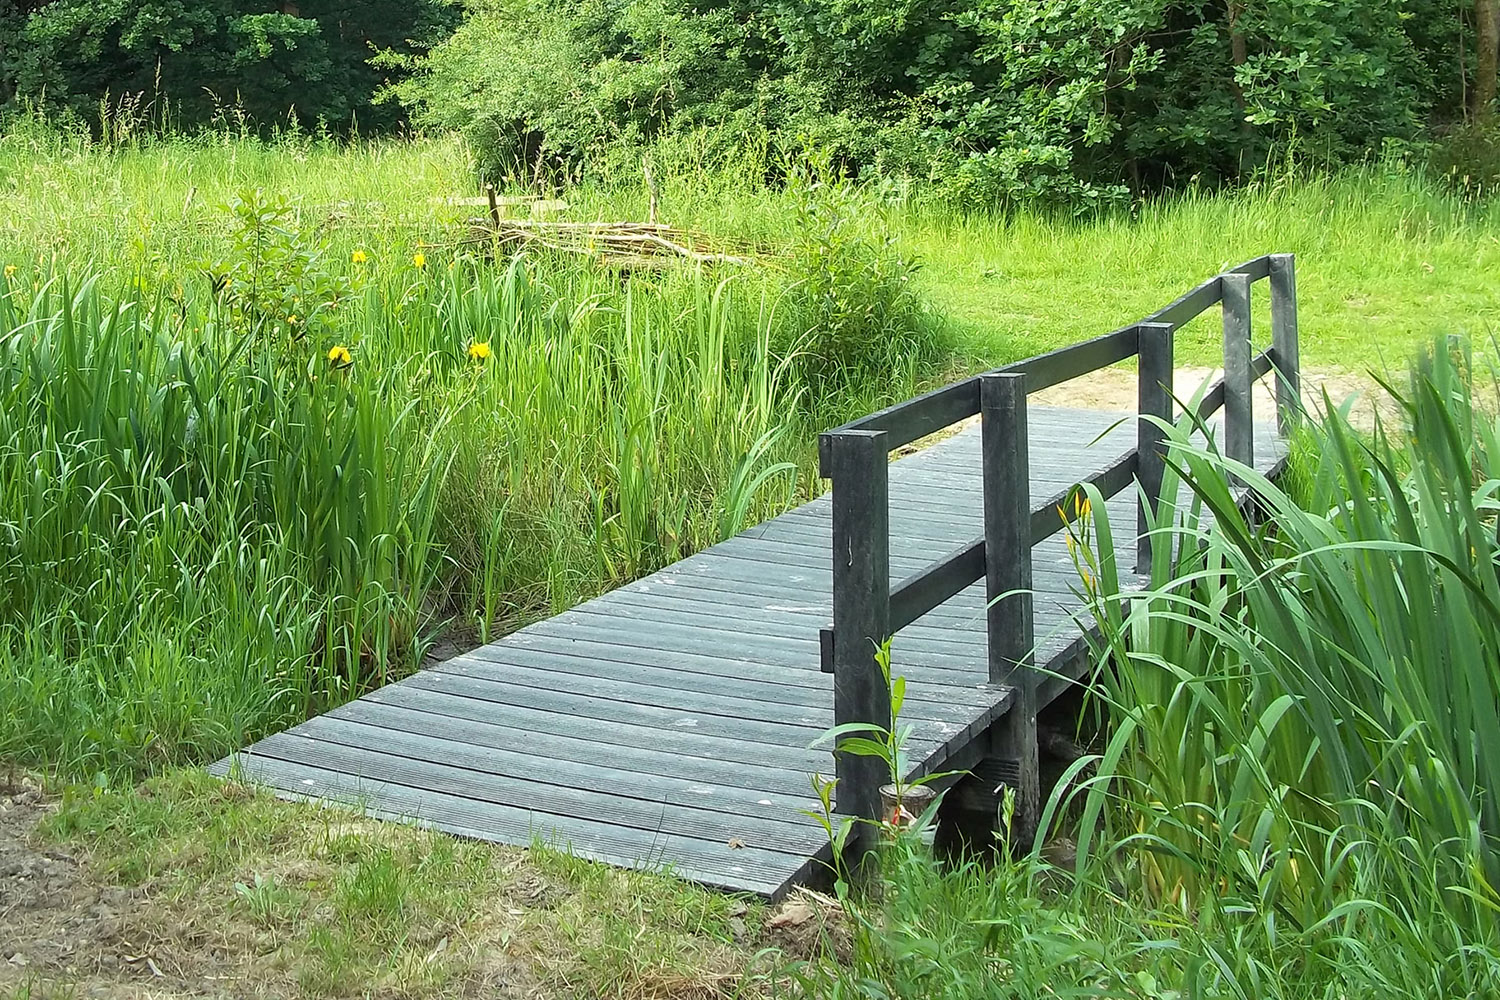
1301,719
245,488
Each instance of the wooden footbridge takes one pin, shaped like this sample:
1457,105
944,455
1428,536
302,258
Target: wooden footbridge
669,723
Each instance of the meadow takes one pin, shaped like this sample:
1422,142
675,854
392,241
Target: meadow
273,423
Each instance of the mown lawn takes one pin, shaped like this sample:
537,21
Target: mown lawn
1385,260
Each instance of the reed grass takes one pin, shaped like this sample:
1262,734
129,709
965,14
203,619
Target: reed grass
1304,703
1300,714
242,492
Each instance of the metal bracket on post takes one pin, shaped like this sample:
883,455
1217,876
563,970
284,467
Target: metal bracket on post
1154,400
1285,352
1239,418
858,463
1007,560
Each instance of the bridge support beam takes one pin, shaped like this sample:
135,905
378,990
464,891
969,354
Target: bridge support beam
858,463
1154,403
1286,354
1009,618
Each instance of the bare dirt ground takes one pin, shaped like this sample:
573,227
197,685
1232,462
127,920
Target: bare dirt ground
65,933
191,887
1114,389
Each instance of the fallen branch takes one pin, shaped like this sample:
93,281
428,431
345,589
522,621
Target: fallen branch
630,244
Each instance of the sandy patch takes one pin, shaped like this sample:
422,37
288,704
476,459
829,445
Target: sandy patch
1114,390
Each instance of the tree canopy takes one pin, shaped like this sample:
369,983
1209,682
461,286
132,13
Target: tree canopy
190,60
1072,102
1066,100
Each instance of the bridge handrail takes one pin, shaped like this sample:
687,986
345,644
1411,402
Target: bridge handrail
866,607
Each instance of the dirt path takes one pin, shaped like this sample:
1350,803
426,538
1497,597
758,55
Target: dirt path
1114,389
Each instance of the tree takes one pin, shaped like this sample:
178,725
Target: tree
1487,46
270,59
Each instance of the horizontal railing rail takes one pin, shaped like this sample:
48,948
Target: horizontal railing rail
868,609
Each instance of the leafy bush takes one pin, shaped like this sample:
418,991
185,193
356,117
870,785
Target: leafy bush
1468,158
1001,101
851,314
305,62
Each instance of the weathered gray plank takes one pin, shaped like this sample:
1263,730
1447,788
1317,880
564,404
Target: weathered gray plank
462,780
687,692
619,732
712,864
758,780
389,735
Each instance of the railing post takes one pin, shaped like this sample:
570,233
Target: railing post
1154,400
858,463
1239,420
1284,342
1007,560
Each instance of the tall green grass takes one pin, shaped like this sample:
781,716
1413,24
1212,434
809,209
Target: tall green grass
1300,717
1387,255
1345,641
1305,704
243,491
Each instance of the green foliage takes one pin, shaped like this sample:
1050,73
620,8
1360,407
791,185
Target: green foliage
191,61
852,312
1003,102
1303,718
1306,708
236,492
274,285
1378,698
1468,158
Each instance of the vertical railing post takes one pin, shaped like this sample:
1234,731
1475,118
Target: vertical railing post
1154,403
1239,420
1284,342
1007,560
858,463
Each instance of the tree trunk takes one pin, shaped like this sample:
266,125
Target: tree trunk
1237,57
1487,45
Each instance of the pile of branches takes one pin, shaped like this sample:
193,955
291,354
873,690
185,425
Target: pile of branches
631,245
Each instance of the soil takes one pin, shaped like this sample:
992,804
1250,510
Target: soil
66,933
57,922
808,924
1114,390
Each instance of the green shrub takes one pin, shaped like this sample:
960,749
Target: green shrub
178,64
1468,157
851,314
1001,102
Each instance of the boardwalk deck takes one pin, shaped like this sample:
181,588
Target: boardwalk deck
667,723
